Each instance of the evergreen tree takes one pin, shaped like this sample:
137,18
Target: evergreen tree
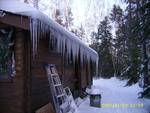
119,45
103,44
127,43
132,42
143,15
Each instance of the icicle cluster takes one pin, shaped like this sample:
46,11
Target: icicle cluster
67,43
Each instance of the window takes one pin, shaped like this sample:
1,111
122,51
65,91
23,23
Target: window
7,66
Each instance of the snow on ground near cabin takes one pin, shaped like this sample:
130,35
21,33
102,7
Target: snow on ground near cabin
113,92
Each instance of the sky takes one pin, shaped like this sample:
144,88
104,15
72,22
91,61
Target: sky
87,13
83,9
90,12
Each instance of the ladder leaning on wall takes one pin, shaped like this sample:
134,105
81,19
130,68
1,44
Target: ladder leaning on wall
62,98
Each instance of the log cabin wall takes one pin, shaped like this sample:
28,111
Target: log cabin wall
29,89
12,90
84,76
88,74
28,72
72,76
40,92
77,77
69,77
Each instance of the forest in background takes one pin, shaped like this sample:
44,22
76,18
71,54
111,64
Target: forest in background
126,54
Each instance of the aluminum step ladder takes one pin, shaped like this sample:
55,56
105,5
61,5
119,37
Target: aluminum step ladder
59,95
73,106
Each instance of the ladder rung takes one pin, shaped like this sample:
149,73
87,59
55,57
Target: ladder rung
53,74
61,95
57,85
56,80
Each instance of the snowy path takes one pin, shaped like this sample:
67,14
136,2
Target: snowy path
114,93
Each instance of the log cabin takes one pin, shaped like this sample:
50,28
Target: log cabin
28,40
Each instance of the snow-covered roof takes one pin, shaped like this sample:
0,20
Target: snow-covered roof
40,21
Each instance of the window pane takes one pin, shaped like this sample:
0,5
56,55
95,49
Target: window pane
6,52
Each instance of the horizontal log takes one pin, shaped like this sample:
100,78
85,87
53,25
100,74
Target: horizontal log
19,21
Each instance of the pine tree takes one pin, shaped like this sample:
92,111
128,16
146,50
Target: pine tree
133,42
143,14
127,42
103,44
120,46
133,33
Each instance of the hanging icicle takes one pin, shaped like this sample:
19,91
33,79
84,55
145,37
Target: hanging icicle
67,43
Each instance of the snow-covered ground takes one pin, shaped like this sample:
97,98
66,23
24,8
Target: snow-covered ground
116,98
